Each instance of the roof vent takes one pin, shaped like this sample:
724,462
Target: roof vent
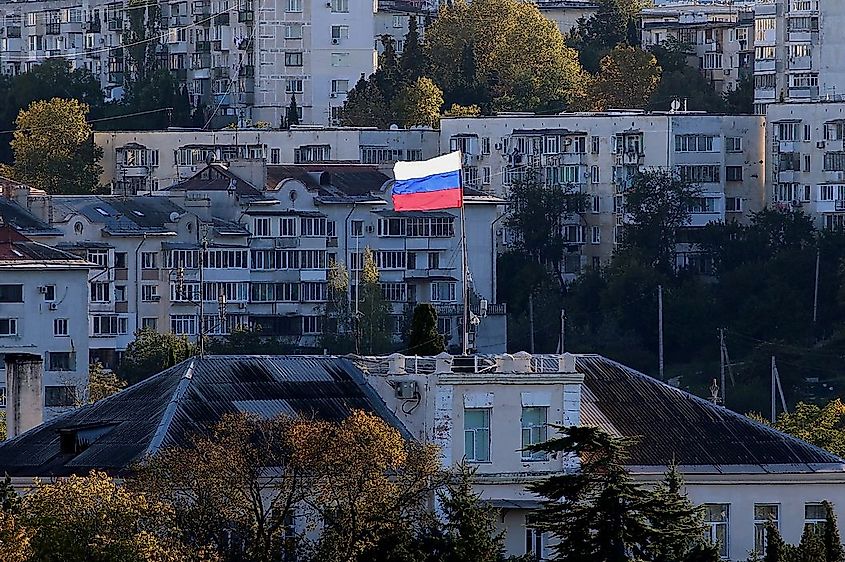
396,364
566,363
443,363
522,362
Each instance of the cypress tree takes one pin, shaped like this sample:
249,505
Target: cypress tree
292,112
833,551
424,338
412,59
775,547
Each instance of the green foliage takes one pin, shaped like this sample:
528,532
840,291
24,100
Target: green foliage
419,103
657,204
593,38
412,60
151,353
626,79
682,80
366,106
54,148
248,340
374,312
833,550
292,114
150,92
424,338
338,335
102,383
740,100
10,501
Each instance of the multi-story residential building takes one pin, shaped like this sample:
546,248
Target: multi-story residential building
566,13
142,161
807,159
43,299
244,60
599,153
720,36
798,51
393,18
163,262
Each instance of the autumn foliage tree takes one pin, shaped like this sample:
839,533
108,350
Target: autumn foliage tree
54,148
627,78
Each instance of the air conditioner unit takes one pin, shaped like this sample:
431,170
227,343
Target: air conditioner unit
820,144
335,41
405,390
54,306
370,229
42,289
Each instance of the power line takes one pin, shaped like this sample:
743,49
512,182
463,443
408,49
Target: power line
89,121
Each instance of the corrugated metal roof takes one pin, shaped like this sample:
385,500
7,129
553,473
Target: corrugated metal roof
324,387
127,216
668,423
23,221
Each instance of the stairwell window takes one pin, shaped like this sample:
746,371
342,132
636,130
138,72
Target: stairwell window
716,519
477,434
534,431
764,514
340,6
815,517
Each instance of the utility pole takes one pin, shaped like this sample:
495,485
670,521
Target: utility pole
660,328
816,291
562,330
531,320
722,361
774,382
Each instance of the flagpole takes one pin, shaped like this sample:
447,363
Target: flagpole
464,260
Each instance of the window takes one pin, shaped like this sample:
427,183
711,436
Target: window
226,259
100,292
390,259
312,324
293,58
340,60
312,226
261,226
443,291
108,325
534,540
394,292
61,361
733,173
8,326
187,259
594,145
313,291
594,174
596,235
340,32
700,173
11,293
716,517
294,7
596,207
763,514
357,228
485,175
786,131
477,434
120,293
814,517
534,431
293,30
733,144
287,226
149,293
59,396
434,260
183,324
694,143
294,86
100,257
149,323
834,161
733,204
340,6
60,327
312,153
149,260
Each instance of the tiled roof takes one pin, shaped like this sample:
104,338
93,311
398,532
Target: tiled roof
670,424
166,409
216,177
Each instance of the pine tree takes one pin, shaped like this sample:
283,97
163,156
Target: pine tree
292,112
833,551
677,523
776,549
412,59
424,338
597,513
811,548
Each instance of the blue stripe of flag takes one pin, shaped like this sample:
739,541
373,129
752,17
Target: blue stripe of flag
436,182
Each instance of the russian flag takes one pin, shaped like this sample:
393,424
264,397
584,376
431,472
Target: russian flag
428,185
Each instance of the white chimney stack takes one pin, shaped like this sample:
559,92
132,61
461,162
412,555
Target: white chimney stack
396,364
24,384
443,363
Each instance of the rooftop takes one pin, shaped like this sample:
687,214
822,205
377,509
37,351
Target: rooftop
217,177
23,221
18,251
120,216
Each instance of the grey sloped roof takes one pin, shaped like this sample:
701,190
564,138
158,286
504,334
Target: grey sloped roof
670,424
216,177
166,409
23,221
121,216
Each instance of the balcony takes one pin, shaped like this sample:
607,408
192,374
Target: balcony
221,19
220,73
203,46
245,44
246,71
13,32
54,28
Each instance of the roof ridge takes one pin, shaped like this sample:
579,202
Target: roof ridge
722,409
170,411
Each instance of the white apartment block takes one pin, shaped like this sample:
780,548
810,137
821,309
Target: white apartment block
798,51
720,34
243,59
144,161
566,13
268,248
43,296
599,153
485,410
807,159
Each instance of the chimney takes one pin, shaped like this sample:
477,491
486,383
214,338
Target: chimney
442,363
396,364
24,384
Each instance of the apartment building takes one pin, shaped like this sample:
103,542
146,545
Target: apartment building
244,60
42,290
163,262
485,410
566,13
806,151
798,51
599,153
720,36
146,161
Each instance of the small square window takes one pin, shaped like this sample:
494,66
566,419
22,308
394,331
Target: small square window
49,293
60,327
59,396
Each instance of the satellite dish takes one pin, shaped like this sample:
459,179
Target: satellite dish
676,105
394,127
174,216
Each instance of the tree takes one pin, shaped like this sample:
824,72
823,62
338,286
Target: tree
412,61
419,103
610,26
91,519
679,80
365,106
292,112
597,513
508,55
243,476
424,338
374,318
776,548
626,80
54,148
833,551
458,110
159,99
657,204
740,100
537,216
102,383
338,335
10,501
14,539
152,353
